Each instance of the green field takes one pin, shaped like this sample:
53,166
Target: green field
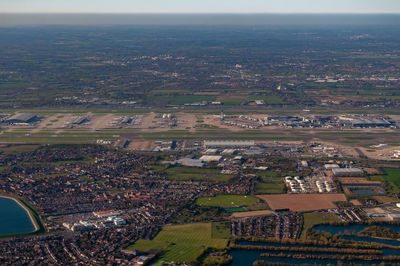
231,99
183,243
221,230
192,173
314,218
392,177
13,85
181,99
268,99
269,188
271,183
18,148
227,201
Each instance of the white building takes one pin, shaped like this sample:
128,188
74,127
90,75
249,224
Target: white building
211,158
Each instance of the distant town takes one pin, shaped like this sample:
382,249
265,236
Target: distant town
197,145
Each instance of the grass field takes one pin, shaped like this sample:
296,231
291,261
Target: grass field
192,173
269,188
271,183
183,243
231,210
182,99
221,230
227,201
268,99
18,148
314,218
392,176
13,85
231,99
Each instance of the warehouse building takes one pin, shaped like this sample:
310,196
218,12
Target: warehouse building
370,122
22,118
190,162
80,120
211,158
365,122
347,171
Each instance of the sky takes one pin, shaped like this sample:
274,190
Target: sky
199,6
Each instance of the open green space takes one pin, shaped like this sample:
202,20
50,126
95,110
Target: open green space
221,230
181,99
227,201
271,182
269,188
232,210
183,243
193,173
231,99
47,138
18,148
314,218
268,99
392,178
13,85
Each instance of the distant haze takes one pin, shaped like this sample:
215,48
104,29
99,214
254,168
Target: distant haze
199,19
200,6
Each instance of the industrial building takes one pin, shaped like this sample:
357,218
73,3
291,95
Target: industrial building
229,143
190,162
80,120
211,158
347,171
186,162
331,166
365,122
229,152
22,118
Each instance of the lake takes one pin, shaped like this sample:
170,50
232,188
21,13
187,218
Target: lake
14,219
353,228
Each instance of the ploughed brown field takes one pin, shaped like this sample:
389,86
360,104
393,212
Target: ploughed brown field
303,202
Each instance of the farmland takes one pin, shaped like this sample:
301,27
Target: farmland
303,202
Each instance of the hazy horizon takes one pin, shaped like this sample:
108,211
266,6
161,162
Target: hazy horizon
204,6
15,19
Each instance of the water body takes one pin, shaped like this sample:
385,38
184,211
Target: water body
354,228
248,257
199,19
366,192
13,218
